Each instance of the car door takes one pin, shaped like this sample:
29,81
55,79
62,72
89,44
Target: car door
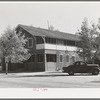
77,67
83,67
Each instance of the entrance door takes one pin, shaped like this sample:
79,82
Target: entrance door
51,62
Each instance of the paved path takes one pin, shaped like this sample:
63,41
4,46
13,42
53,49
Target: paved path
49,80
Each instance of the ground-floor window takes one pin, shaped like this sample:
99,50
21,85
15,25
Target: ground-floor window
61,58
40,57
31,59
73,58
51,57
67,58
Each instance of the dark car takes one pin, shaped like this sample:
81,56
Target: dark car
82,67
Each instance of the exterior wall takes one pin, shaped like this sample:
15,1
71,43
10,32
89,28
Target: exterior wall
64,63
32,66
16,67
59,50
33,48
71,48
58,64
28,35
40,65
36,66
49,49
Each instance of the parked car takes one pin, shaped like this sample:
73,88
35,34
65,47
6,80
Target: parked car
82,67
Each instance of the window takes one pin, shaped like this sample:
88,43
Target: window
40,57
77,63
77,43
73,58
19,30
30,42
82,63
50,40
31,59
61,42
65,42
67,58
61,58
51,58
70,43
39,40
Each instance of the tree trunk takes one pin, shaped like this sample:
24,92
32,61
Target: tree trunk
6,68
3,64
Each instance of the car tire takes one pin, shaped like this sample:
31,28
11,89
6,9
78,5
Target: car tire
95,72
71,72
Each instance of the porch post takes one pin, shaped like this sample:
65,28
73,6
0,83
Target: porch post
36,62
57,61
45,62
45,59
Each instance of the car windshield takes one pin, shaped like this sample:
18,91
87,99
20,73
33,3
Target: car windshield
82,63
76,63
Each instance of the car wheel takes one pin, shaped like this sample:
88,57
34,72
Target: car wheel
71,72
95,72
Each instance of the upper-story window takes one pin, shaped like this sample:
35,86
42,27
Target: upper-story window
60,42
77,43
30,42
70,43
50,40
39,40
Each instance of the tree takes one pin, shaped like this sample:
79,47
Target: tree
12,48
89,46
84,47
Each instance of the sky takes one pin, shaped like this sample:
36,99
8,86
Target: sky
64,16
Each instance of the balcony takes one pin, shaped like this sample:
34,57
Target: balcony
55,47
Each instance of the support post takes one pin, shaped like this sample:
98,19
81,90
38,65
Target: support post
45,62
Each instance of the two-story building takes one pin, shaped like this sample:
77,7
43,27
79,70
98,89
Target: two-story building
51,50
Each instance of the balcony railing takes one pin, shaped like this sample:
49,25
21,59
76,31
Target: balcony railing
55,47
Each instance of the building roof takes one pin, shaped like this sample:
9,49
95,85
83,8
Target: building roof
48,33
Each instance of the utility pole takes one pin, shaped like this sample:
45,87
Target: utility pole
48,24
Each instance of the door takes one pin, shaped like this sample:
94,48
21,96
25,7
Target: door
51,62
80,67
83,67
76,67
